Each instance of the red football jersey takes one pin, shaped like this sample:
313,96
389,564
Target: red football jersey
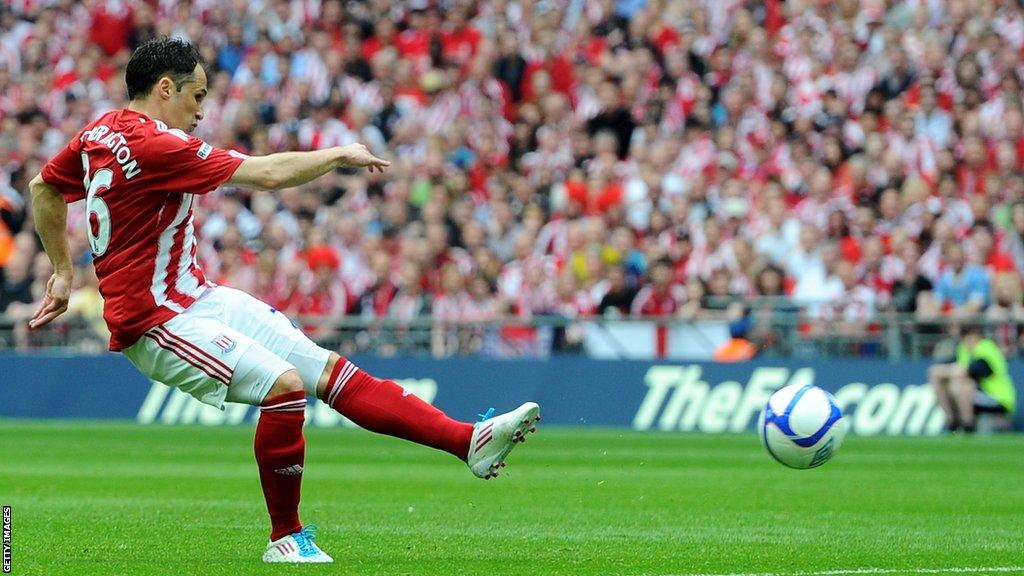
138,178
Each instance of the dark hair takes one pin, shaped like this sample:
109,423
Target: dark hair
759,282
983,225
172,57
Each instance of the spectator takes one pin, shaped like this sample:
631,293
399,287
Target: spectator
10,220
855,302
976,381
448,310
612,116
86,307
692,308
986,252
1015,237
1006,314
963,288
483,305
718,294
911,292
661,297
17,281
933,122
377,299
817,283
618,295
410,302
770,308
737,348
326,297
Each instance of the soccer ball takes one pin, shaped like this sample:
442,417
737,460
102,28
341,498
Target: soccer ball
801,426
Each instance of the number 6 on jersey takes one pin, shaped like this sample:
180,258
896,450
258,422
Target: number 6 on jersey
97,211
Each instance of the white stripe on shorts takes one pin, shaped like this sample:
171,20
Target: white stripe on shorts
188,356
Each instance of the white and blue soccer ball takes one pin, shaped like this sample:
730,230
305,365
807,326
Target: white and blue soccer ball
802,426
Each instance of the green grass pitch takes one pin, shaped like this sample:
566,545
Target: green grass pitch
91,498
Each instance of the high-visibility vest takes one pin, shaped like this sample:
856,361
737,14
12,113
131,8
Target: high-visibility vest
6,244
735,350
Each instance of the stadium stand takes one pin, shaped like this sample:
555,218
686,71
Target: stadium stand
838,167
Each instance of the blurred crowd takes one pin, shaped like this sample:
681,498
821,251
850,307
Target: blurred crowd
838,160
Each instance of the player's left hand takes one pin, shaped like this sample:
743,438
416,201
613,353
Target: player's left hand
55,303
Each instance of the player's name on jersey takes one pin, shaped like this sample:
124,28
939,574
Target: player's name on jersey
118,147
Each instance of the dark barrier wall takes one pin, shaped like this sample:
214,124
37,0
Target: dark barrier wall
878,396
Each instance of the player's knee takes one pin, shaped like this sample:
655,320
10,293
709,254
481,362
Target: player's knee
286,383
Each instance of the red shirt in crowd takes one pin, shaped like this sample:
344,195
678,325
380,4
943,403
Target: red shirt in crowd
459,46
651,302
110,28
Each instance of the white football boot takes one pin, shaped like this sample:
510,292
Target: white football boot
297,548
495,437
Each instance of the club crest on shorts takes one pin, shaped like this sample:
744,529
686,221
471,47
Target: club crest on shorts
225,343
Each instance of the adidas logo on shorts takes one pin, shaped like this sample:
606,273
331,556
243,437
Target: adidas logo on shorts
294,470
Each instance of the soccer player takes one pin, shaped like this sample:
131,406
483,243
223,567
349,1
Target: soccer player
139,170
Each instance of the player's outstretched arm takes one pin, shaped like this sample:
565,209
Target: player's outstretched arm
51,218
287,169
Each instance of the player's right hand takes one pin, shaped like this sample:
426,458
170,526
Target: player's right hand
358,156
55,303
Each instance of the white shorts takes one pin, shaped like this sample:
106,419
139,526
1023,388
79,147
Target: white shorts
227,346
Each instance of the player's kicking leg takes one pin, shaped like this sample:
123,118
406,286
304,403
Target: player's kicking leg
378,405
384,407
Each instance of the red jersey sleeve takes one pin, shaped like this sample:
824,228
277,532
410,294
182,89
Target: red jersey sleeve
186,164
65,173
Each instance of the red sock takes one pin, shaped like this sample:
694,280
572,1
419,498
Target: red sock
386,408
280,454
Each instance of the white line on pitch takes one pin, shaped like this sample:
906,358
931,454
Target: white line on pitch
857,571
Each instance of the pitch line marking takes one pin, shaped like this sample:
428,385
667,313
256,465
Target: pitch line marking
857,571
